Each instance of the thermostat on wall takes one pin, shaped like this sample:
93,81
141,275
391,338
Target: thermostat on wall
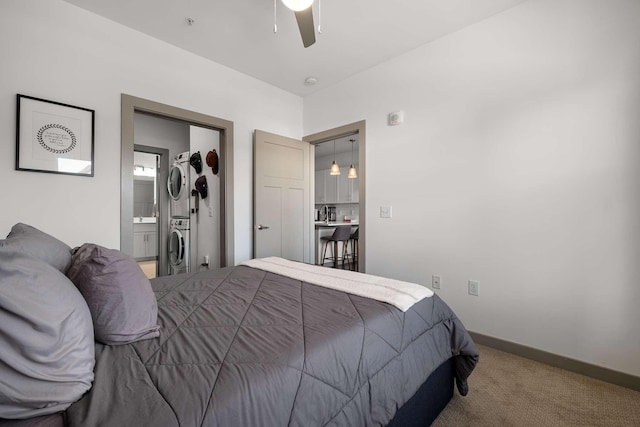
396,118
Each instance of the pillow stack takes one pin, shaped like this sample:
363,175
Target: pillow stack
48,325
46,334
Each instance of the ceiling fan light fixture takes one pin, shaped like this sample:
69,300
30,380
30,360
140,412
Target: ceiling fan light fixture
297,5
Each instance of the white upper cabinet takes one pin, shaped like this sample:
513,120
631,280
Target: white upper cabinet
321,187
346,193
331,189
355,190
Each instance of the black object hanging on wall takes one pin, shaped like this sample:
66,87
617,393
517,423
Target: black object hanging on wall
196,161
202,187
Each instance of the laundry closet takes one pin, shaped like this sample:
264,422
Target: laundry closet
191,219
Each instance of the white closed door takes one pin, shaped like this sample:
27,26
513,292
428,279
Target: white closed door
282,205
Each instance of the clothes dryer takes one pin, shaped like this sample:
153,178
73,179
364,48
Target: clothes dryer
179,242
178,186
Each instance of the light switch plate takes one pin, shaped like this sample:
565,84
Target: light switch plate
385,211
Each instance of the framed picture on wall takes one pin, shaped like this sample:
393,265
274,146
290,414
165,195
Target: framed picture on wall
53,137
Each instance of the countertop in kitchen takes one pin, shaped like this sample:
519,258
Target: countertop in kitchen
322,224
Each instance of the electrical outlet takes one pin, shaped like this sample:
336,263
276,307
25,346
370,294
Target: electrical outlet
474,287
385,211
435,281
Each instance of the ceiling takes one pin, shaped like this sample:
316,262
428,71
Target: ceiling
356,34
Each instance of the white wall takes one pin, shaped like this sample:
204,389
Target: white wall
53,50
157,132
517,166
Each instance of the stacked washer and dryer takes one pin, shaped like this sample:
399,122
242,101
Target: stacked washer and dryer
179,224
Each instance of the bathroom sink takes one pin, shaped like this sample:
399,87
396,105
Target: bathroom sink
144,220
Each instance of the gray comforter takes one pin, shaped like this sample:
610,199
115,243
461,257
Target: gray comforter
242,347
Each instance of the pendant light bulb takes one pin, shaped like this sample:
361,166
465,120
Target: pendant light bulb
297,5
335,169
353,173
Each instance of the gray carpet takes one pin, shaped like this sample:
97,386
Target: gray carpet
507,390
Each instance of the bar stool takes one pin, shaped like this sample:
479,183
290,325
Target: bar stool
355,248
342,234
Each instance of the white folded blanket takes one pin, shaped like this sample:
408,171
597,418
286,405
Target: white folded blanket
395,292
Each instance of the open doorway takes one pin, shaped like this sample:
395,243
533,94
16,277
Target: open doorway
131,106
337,195
176,229
352,189
149,209
145,215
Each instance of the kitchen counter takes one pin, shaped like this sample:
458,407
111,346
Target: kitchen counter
322,224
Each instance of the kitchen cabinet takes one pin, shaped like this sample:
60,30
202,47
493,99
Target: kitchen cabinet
347,189
326,187
321,192
145,241
331,189
355,190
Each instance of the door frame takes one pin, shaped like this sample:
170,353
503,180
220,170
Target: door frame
129,106
163,204
338,132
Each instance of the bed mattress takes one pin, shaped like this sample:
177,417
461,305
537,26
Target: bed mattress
243,347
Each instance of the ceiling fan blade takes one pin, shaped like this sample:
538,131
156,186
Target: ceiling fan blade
305,24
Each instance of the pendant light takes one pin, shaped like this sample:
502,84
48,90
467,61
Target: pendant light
335,169
352,169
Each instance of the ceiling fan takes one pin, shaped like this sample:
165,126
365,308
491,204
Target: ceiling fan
304,15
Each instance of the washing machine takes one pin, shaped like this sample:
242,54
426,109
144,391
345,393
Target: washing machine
179,251
178,186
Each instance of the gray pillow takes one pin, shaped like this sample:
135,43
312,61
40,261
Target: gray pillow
46,338
119,295
37,244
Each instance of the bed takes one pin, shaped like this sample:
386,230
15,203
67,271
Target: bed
241,346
